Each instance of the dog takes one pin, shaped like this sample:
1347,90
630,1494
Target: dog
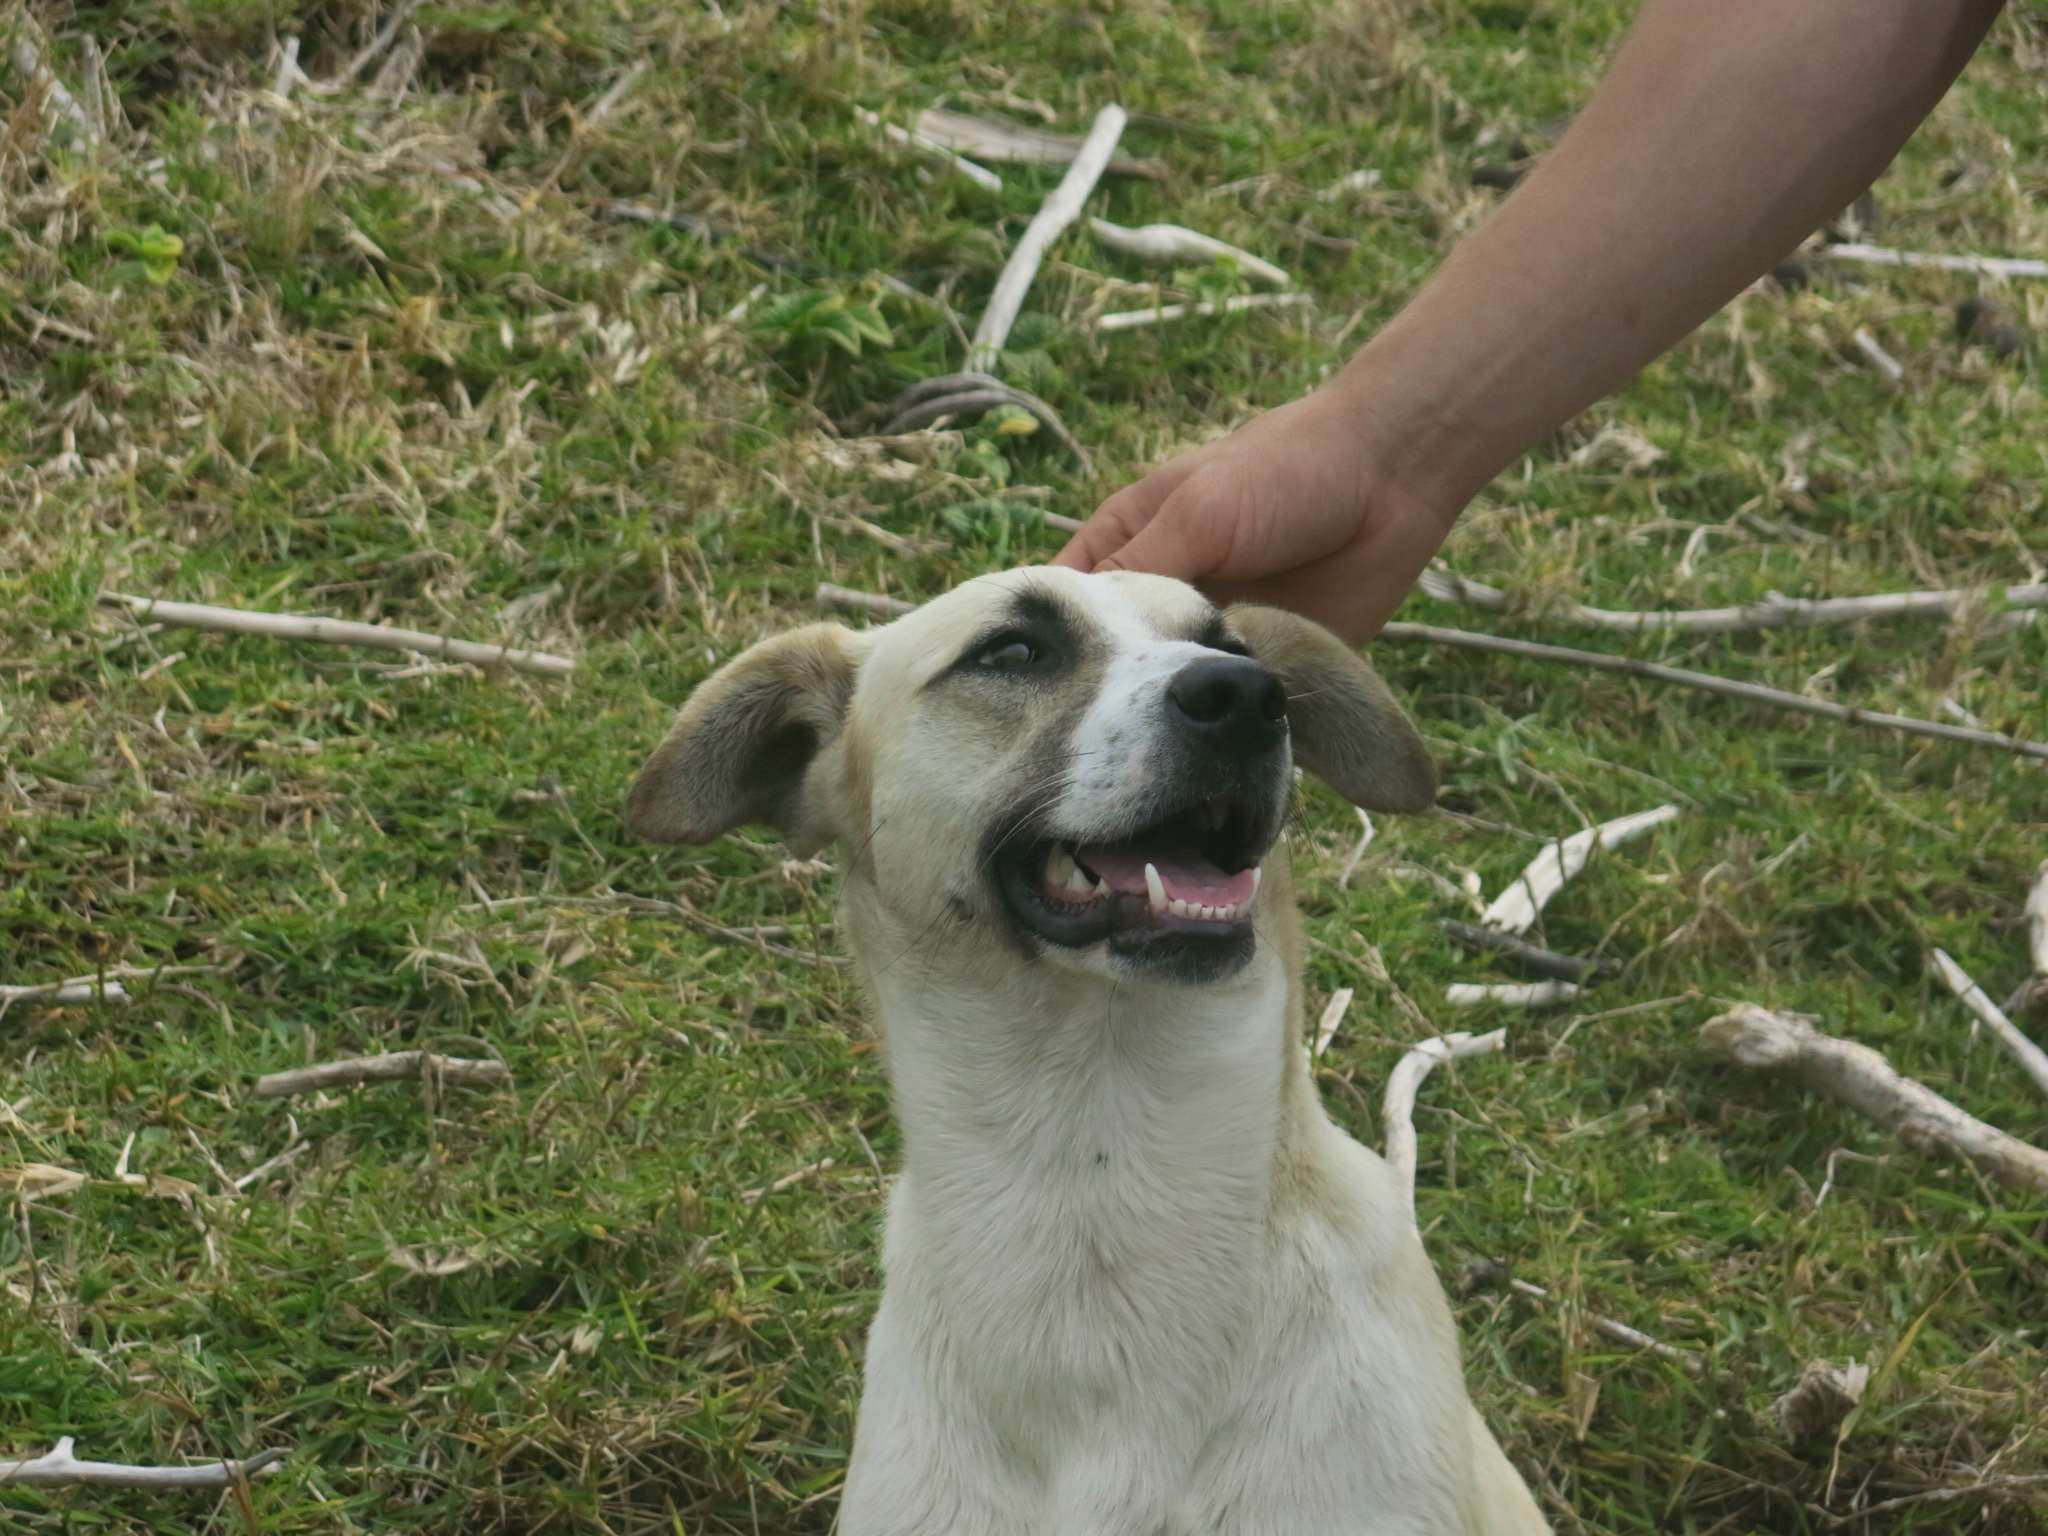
1137,1283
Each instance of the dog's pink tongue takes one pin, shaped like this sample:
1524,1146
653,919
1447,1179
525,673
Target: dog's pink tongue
1187,876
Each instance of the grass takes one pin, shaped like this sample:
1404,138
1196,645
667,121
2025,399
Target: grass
363,385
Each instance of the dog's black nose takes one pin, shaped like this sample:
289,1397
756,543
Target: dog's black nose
1230,704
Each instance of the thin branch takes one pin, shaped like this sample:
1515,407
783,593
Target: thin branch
2037,921
29,60
85,989
1893,370
2032,1059
1013,144
1621,1333
1774,612
60,1469
1544,962
1777,698
1510,994
281,626
870,604
1398,1108
1861,1078
1059,210
1130,319
395,1066
386,35
1326,1026
1175,243
1983,266
1516,908
981,176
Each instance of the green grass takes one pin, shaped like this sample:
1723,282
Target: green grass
363,389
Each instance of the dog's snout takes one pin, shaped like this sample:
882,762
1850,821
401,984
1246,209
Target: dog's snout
1231,704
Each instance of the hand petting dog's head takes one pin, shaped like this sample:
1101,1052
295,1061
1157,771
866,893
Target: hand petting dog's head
1086,769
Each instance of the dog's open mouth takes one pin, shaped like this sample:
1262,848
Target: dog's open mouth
1192,875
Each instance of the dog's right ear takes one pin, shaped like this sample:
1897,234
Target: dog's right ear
741,748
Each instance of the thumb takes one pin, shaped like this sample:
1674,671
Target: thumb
1121,518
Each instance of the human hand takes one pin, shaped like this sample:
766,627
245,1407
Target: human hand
1296,509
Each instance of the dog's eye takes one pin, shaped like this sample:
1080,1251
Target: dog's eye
1008,653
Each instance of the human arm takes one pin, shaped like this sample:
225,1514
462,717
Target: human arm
1723,133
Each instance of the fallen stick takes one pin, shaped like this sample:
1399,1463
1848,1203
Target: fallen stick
1174,242
972,392
1775,611
60,1469
1861,1078
84,989
2032,1059
1983,266
1059,210
2037,921
1544,962
395,1066
1621,1333
980,175
1011,143
870,604
29,60
1326,1026
1130,319
1516,908
1515,994
1866,345
282,626
1755,693
1398,1108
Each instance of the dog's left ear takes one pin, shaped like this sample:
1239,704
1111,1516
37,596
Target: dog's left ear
743,746
1346,726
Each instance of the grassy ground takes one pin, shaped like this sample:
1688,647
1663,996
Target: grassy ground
401,366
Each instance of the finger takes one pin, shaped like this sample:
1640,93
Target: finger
1121,516
1353,591
1189,537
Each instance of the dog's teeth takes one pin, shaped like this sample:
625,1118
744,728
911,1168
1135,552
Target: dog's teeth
1155,888
1178,907
1059,866
1078,885
1257,876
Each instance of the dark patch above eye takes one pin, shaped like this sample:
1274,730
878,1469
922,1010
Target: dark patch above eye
1036,639
1216,636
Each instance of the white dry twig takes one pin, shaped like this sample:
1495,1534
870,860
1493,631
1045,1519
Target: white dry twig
1865,1081
1621,1333
394,1066
1515,909
872,605
1012,143
1775,611
1866,346
1983,266
1516,994
1327,1025
80,989
1727,688
1059,210
283,626
60,1469
980,175
1398,1108
2037,921
29,60
2032,1059
1173,242
1366,833
1131,319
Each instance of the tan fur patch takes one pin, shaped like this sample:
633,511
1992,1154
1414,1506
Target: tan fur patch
1346,726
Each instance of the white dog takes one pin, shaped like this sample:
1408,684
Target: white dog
1137,1283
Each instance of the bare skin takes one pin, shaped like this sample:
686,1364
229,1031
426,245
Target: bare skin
1723,134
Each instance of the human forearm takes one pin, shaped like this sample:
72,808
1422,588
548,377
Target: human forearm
1724,132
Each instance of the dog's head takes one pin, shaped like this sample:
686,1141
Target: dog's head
1089,767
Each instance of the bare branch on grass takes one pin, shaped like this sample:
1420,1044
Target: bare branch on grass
282,626
60,1469
871,605
1865,1081
980,175
1515,909
1510,994
1398,1108
1727,688
1011,143
1130,319
1774,612
29,60
1621,1333
1983,266
1175,243
2032,1059
1544,962
394,1066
